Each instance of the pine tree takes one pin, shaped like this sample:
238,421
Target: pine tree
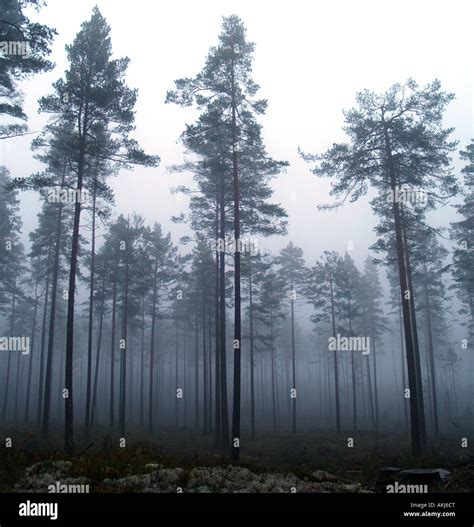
93,95
322,294
374,322
293,272
12,267
269,309
161,255
429,259
25,46
463,234
397,142
348,283
229,134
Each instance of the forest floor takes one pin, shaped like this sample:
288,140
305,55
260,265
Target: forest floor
183,460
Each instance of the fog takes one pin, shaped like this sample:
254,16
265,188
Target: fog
311,60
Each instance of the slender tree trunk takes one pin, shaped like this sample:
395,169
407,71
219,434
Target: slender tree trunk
405,412
97,361
204,365
328,391
152,347
364,399
252,349
69,378
272,358
416,348
336,371
30,364
224,420
237,295
60,385
217,375
43,344
354,393
371,399
69,368
176,373
91,314
293,362
12,332
376,393
17,386
130,391
429,330
277,391
428,376
319,401
185,379
209,347
112,348
354,388
142,367
416,439
52,320
455,396
288,391
124,345
196,372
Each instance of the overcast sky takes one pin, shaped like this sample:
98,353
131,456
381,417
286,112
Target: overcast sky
311,58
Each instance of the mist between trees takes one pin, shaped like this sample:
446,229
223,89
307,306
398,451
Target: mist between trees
130,329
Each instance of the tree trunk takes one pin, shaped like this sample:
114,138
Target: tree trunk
252,346
112,347
415,336
371,399
196,372
376,392
209,347
293,362
152,347
43,344
204,365
124,345
405,293
52,321
405,413
237,296
185,379
30,365
12,330
97,362
354,388
91,315
429,329
336,371
272,358
176,373
217,374
142,367
17,386
224,419
69,368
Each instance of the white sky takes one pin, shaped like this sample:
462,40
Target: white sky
311,58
